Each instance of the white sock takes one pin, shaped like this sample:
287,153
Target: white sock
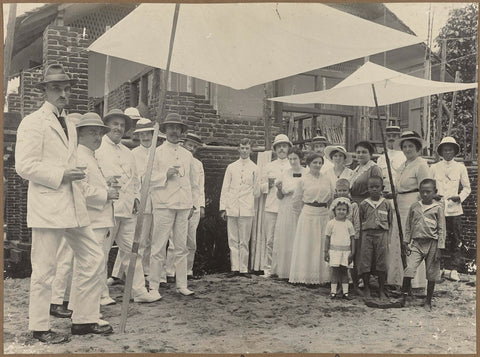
333,288
345,288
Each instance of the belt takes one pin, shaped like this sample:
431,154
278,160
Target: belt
316,204
411,191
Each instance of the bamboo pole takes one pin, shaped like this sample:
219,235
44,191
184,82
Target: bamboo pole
12,13
438,123
452,110
146,181
106,88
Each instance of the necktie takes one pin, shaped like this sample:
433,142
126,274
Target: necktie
63,124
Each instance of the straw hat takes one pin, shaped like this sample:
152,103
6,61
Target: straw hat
411,136
92,119
332,149
281,138
173,118
194,138
319,139
133,113
54,73
117,113
144,124
448,140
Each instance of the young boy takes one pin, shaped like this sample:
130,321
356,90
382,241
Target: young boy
342,189
424,237
375,220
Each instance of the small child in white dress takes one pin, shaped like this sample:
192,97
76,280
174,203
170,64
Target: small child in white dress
339,246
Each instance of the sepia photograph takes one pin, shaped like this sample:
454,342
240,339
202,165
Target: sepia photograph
240,178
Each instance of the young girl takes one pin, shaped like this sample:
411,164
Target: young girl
339,245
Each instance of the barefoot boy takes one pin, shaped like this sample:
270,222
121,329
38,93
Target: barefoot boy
424,237
375,219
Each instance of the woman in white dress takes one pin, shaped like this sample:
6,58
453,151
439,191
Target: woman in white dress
287,217
340,159
312,196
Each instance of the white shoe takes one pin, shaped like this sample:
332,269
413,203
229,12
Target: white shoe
266,274
106,301
101,322
185,291
361,284
454,275
148,297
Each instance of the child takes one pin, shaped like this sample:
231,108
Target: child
342,189
339,245
375,219
424,237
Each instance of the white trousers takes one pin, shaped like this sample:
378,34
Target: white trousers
166,221
269,226
191,246
144,250
63,276
123,233
87,266
239,230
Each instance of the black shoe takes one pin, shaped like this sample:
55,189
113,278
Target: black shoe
60,311
163,285
193,277
170,279
50,337
233,274
245,275
347,297
85,329
65,303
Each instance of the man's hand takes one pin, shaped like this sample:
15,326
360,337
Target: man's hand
112,180
437,197
271,182
172,171
350,258
223,215
136,206
406,248
455,199
388,195
112,194
327,256
202,212
73,175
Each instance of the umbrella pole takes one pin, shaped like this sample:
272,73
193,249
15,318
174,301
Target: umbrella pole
146,183
390,177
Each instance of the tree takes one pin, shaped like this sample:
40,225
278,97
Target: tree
460,34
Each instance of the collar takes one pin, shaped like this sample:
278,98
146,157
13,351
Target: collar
375,204
53,109
283,161
168,144
448,163
244,161
430,206
86,150
109,141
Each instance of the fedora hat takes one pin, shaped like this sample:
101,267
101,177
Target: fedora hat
448,140
194,138
54,73
173,118
332,149
118,113
133,113
411,136
143,124
393,129
281,138
320,139
92,119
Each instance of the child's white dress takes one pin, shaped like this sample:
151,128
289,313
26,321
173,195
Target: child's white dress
339,232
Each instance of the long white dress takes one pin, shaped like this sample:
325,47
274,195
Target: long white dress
308,265
286,226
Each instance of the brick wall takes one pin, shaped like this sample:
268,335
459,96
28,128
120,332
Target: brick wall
470,216
14,103
31,98
120,97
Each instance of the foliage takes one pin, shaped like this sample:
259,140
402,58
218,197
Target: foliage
461,55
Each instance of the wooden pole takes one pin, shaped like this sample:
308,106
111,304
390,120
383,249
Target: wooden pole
146,182
266,117
452,110
474,154
7,59
438,123
106,88
390,177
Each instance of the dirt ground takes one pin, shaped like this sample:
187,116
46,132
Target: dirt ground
258,315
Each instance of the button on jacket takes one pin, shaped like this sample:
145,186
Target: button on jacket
375,214
449,175
426,222
274,169
239,189
179,191
42,154
118,160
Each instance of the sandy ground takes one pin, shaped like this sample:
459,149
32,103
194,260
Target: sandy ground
258,315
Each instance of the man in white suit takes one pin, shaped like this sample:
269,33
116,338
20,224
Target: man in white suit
46,155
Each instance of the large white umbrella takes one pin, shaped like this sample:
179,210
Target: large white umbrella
241,45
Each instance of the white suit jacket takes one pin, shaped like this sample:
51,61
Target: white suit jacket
42,154
274,169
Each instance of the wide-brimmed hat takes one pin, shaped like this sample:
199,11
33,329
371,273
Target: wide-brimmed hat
448,140
118,113
330,150
281,138
144,124
92,119
319,139
54,73
411,136
74,117
173,118
393,129
133,113
195,138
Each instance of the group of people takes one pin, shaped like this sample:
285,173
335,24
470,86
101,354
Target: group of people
327,223
321,223
84,193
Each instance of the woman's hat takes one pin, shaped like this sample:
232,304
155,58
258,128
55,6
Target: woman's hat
133,113
54,73
144,124
411,136
320,139
281,138
173,118
92,119
117,113
332,149
195,138
448,140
